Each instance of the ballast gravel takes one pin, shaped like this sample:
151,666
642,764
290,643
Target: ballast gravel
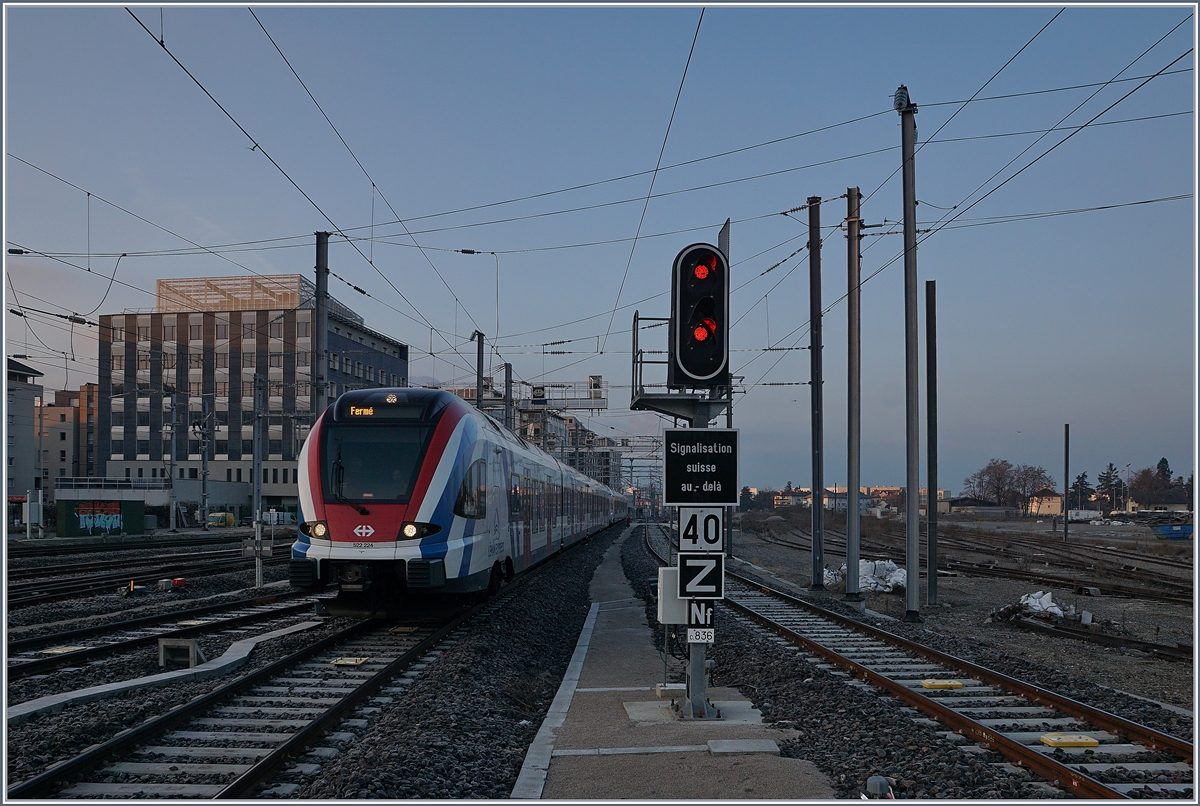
463,727
852,732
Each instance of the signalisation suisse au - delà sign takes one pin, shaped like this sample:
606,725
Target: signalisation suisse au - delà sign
701,466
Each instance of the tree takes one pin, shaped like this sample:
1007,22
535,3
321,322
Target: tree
1145,483
1164,472
746,499
1082,490
1108,483
1027,480
788,488
994,482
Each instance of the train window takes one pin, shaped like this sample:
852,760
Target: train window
472,495
376,463
514,495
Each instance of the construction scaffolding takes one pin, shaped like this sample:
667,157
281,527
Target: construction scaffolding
273,292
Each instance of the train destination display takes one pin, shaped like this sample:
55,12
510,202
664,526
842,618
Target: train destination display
700,466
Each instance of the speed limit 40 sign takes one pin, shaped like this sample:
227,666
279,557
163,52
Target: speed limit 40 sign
701,529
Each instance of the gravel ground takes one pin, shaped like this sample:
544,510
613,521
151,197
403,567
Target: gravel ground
463,728
851,732
27,622
49,738
965,608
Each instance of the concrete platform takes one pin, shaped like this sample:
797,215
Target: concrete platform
609,735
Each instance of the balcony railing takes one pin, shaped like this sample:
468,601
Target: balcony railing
98,483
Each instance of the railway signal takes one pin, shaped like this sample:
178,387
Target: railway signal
698,343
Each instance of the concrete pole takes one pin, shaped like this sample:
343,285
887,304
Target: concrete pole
912,435
320,327
853,392
41,513
508,397
931,483
818,414
29,514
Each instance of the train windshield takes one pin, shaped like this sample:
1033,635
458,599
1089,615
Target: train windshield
373,463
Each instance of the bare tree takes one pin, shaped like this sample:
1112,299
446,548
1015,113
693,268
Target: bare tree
1027,480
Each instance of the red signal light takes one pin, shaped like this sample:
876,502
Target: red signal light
705,268
706,328
700,333
701,271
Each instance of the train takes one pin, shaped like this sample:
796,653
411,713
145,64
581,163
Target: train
410,490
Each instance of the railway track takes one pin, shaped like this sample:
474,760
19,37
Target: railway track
23,594
45,653
228,742
1111,581
136,566
1104,755
42,549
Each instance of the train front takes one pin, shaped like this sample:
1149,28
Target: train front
371,476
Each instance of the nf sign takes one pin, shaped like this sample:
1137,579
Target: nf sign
701,576
701,529
700,622
700,466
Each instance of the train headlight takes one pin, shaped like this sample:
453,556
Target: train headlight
318,529
413,531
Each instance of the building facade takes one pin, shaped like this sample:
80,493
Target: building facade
21,429
181,378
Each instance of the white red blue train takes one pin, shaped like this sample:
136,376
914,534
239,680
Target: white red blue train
405,490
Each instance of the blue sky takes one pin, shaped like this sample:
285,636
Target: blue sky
1087,318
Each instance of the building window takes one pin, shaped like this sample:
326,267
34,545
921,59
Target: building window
192,473
239,474
247,447
222,389
168,360
143,360
89,438
247,331
118,334
228,474
277,330
154,472
62,418
143,418
139,472
143,446
62,456
62,471
194,388
333,362
222,331
222,447
302,389
196,360
118,388
275,388
194,333
302,358
62,436
118,447
358,369
126,472
118,362
276,360
301,330
143,333
248,360
168,332
222,359
275,446
274,475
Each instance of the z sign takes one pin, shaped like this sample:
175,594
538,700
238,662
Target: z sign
701,576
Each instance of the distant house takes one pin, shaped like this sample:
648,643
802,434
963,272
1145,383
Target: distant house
1160,501
796,498
1045,502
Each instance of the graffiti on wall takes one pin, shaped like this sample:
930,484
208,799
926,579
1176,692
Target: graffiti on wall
104,516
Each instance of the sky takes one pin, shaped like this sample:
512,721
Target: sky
536,134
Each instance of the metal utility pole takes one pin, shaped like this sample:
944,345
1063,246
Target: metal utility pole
723,245
1066,478
908,137
256,460
320,327
853,391
931,483
478,337
171,486
508,397
697,653
201,431
818,414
